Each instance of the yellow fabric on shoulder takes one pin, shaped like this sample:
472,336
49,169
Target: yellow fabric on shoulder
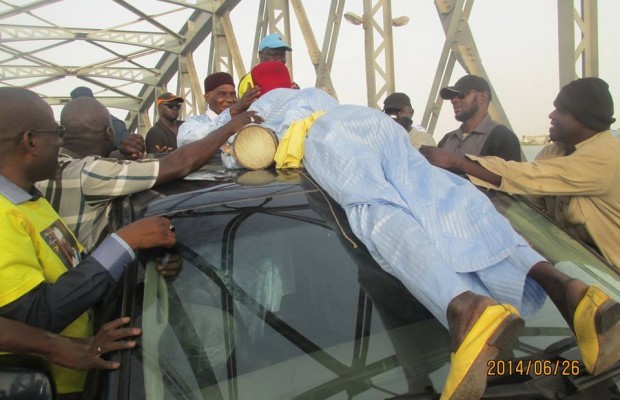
243,84
290,150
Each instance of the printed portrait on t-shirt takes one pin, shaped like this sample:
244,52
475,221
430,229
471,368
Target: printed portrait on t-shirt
62,242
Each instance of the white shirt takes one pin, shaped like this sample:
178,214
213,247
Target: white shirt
199,126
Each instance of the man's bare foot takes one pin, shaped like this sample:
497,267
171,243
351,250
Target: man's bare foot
564,291
574,291
463,312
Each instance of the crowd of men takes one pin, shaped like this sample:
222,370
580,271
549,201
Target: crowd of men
57,184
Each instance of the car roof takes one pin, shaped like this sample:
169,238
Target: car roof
214,186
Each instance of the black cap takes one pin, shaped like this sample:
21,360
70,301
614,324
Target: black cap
81,91
466,84
589,101
396,101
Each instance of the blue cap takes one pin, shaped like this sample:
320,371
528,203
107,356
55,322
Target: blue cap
273,41
81,91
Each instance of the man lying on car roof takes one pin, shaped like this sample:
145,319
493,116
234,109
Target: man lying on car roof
438,234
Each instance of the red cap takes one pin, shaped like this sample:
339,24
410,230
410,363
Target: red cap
271,75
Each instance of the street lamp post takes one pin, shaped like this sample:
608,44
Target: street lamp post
379,54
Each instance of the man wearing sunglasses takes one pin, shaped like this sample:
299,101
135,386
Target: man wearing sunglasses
478,134
162,137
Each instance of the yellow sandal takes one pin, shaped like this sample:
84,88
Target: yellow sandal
497,328
597,328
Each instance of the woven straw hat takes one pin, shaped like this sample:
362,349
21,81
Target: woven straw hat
255,146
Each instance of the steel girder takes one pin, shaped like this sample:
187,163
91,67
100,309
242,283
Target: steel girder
196,30
379,50
585,20
212,18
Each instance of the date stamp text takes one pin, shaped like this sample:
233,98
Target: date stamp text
533,367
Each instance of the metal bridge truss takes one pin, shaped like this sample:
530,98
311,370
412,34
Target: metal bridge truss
127,80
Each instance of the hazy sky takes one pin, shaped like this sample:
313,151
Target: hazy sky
517,42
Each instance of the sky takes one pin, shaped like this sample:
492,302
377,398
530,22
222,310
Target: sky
517,42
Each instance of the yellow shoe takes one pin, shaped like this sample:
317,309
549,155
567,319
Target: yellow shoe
597,328
498,327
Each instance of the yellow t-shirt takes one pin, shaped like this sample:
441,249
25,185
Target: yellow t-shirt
38,247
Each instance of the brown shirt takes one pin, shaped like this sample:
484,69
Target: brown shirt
586,183
160,135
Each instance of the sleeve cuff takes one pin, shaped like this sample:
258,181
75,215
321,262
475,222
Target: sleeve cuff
485,162
114,254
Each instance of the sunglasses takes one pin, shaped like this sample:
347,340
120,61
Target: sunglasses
392,111
462,95
60,131
173,106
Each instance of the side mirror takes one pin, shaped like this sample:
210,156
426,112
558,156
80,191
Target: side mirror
25,377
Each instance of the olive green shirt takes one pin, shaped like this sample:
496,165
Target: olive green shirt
587,183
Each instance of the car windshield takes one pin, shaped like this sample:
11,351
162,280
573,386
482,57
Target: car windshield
278,299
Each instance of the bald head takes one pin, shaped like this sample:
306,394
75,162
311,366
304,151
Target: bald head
88,127
29,140
21,110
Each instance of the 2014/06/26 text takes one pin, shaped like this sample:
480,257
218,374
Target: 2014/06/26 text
533,367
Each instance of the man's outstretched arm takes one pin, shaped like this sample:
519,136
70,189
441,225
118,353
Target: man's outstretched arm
186,159
457,163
